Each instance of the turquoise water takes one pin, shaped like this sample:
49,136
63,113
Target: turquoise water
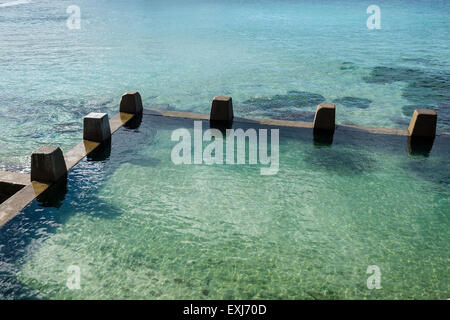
275,58
139,226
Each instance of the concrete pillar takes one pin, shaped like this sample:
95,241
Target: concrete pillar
325,117
221,109
47,164
131,102
423,123
96,127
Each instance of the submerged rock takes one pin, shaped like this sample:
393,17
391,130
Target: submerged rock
293,115
442,110
348,66
282,106
424,90
353,102
392,74
292,99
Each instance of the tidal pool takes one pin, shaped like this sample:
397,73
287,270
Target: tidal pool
140,227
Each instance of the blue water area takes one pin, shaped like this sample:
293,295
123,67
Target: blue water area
137,226
275,58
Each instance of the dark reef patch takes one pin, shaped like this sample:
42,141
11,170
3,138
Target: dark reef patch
409,109
442,109
390,75
423,90
282,106
348,66
401,121
292,99
353,102
55,111
428,89
293,115
421,60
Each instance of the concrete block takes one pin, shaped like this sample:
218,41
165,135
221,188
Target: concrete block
131,102
222,109
47,164
423,123
325,117
96,127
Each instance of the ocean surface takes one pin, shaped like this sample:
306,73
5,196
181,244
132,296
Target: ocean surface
138,226
276,59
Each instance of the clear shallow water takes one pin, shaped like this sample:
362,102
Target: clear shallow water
140,227
275,58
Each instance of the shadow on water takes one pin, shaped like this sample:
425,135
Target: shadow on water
423,90
101,153
135,122
420,145
430,169
344,163
55,195
322,138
